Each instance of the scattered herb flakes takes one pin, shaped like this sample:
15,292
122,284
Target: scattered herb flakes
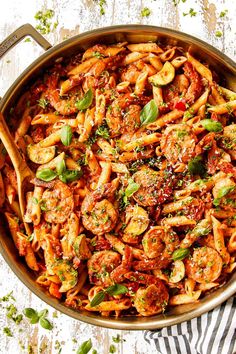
191,13
177,2
101,4
7,332
44,19
223,13
55,314
42,103
30,349
112,349
218,34
28,39
117,339
145,12
8,297
13,315
8,61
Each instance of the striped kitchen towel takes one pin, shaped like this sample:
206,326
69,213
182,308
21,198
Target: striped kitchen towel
212,333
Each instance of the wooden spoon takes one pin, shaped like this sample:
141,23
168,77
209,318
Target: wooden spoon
23,172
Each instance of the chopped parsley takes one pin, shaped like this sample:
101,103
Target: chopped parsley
42,103
7,332
218,34
44,19
191,13
176,2
223,13
145,12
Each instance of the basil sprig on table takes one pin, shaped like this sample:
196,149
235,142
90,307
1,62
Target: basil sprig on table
222,193
115,289
180,254
211,125
35,317
149,113
66,135
86,101
86,347
61,172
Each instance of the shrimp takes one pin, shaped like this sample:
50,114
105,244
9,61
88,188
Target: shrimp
131,73
160,242
58,203
196,86
99,215
121,113
153,188
63,106
178,143
101,264
151,300
118,273
204,266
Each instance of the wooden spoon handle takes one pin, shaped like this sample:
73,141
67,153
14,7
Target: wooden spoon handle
10,145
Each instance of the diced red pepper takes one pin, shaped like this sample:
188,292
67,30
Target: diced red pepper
181,106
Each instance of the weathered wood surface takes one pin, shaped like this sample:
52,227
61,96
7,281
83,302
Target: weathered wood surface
76,16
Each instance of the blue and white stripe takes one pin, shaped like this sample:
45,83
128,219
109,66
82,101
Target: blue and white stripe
212,333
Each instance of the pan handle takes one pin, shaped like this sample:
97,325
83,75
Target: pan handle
21,32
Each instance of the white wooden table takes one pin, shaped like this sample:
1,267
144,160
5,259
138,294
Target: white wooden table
76,16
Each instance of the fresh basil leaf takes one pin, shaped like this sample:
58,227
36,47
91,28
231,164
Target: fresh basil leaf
212,125
85,347
34,319
223,192
29,312
180,254
66,135
116,289
43,313
131,188
70,175
61,167
45,323
46,174
97,299
149,113
86,101
196,167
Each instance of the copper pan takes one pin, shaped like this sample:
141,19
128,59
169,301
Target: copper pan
131,33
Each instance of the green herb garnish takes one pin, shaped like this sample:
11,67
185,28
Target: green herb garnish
66,135
45,25
86,101
191,13
218,34
145,12
85,347
149,113
46,174
7,332
43,103
112,290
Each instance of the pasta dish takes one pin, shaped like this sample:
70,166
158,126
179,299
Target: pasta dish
133,206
